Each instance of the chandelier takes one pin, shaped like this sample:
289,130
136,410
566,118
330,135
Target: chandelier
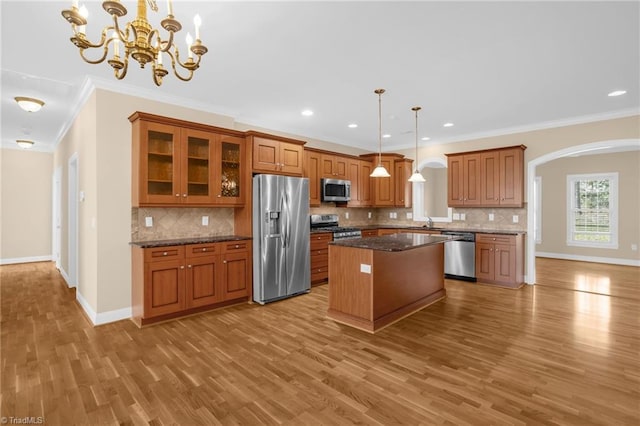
140,40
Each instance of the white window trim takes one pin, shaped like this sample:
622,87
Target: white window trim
613,209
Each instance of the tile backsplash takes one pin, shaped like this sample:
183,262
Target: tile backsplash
180,222
474,218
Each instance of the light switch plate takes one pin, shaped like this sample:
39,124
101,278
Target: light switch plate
516,219
346,215
369,215
148,221
409,215
463,216
456,216
205,220
491,217
365,269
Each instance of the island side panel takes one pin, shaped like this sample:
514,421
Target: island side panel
406,281
350,291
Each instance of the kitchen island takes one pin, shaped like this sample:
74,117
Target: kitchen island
376,281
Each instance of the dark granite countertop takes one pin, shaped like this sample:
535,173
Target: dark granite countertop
395,242
189,240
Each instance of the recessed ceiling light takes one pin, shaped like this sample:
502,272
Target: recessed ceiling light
352,125
617,93
386,136
24,144
447,125
307,112
29,104
426,138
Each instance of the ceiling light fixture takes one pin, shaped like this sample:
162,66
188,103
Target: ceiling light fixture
24,143
416,176
617,93
29,104
379,171
140,40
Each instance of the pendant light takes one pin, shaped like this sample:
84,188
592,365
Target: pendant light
379,171
416,176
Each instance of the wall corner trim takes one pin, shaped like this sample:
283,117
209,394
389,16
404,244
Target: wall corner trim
102,317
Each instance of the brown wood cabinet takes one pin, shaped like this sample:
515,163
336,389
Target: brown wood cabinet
177,163
311,170
276,155
361,185
403,188
178,280
369,233
500,259
320,256
334,166
489,178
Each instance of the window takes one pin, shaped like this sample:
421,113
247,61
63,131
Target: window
592,210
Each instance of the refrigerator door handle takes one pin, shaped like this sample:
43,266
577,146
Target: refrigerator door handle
288,207
282,230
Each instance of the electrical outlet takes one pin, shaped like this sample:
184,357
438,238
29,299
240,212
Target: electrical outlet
205,220
148,221
491,217
456,216
365,269
516,219
390,215
395,215
463,216
409,215
346,215
369,215
634,247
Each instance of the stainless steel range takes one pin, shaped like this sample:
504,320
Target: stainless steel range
329,223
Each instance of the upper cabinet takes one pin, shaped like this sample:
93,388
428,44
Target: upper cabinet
334,166
490,178
394,191
404,188
181,163
311,170
276,155
358,172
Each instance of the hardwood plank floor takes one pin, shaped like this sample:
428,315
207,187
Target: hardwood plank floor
545,354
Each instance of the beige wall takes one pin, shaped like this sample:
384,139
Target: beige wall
554,202
25,212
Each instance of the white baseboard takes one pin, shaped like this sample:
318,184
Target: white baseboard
13,261
65,277
610,260
102,317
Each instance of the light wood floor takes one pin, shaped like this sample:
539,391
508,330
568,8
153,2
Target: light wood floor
545,354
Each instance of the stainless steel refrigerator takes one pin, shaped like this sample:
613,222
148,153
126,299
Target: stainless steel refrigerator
281,258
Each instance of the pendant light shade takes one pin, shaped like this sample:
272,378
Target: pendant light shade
379,171
416,176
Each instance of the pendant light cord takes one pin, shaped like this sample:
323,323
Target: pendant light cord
379,92
416,109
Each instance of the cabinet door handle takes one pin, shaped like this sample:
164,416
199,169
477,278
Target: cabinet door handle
494,238
184,195
177,195
182,267
188,266
219,195
204,249
224,261
164,253
497,250
237,246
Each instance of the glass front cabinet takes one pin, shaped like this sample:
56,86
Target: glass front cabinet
176,165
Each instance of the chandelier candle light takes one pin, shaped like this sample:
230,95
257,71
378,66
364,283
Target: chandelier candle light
139,40
379,171
416,176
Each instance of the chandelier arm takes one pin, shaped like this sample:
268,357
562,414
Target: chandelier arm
175,70
123,72
191,66
103,37
97,61
167,44
116,28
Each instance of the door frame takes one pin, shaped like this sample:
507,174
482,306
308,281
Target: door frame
73,220
56,216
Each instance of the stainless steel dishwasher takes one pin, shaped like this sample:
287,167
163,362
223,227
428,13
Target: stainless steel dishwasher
460,256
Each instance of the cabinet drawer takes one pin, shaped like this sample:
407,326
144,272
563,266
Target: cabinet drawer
324,236
320,252
236,246
200,250
159,254
319,262
320,241
496,239
369,233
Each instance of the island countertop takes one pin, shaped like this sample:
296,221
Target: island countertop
395,242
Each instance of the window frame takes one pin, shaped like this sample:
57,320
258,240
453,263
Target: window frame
613,209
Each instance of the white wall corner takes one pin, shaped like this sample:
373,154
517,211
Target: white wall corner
65,277
102,317
15,260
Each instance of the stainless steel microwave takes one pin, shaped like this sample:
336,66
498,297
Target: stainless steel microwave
336,190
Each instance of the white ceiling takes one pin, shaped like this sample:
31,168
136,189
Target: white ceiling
488,67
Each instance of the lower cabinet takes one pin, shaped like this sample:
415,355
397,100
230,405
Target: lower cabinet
500,259
369,233
177,280
320,256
